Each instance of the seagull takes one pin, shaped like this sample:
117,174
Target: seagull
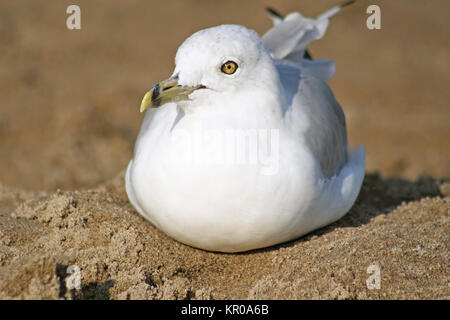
245,145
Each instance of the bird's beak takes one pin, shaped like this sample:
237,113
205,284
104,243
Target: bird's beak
166,91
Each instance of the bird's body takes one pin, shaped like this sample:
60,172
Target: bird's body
247,159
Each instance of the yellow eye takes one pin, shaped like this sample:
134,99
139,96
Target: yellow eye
229,67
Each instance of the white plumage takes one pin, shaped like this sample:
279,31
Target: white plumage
187,181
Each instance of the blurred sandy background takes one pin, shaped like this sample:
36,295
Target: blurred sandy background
69,118
69,99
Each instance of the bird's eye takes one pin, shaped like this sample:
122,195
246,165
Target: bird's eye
229,67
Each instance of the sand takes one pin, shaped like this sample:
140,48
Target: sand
69,118
400,226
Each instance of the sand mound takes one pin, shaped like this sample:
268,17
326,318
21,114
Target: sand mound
69,119
400,226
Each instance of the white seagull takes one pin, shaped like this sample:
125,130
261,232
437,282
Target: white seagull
245,145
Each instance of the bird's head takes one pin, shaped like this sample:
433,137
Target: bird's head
218,63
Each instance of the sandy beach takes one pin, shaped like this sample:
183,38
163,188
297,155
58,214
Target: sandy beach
69,118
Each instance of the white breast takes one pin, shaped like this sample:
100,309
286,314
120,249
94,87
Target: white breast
234,207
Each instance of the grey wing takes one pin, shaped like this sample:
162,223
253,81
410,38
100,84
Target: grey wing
289,36
325,133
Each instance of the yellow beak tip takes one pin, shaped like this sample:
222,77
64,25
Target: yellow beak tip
146,101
